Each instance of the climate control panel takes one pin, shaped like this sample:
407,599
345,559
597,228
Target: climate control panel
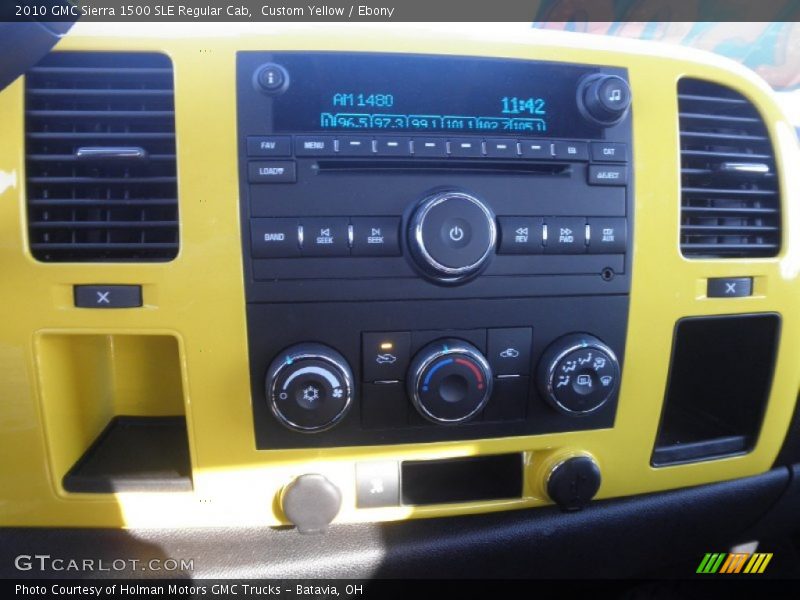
432,375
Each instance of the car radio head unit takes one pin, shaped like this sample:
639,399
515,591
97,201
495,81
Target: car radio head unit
438,245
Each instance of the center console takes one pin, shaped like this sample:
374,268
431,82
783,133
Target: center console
435,248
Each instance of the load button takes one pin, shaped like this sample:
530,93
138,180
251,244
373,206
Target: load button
276,171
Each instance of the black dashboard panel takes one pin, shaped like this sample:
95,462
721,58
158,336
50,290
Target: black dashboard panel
375,204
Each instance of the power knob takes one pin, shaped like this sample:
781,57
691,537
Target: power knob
309,387
452,236
604,100
449,381
578,374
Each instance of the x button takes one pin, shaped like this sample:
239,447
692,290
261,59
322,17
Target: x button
729,287
108,296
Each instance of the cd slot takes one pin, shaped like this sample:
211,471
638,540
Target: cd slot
448,166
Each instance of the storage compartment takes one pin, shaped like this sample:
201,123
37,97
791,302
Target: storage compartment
113,408
462,479
718,388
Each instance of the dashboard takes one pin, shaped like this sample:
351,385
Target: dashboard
303,277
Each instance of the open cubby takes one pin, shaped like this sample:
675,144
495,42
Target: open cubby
113,407
719,383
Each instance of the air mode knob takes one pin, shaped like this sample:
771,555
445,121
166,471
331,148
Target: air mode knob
452,235
449,381
604,99
578,374
309,387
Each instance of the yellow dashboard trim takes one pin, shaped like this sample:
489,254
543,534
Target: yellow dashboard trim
198,299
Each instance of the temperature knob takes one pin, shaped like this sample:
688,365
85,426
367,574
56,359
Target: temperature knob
452,236
449,381
309,387
578,374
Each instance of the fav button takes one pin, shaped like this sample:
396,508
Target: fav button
376,236
269,146
386,355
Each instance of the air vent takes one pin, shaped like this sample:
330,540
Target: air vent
730,206
101,171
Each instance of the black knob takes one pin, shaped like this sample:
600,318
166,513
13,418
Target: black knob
311,502
271,79
578,374
309,387
452,236
572,483
449,381
604,99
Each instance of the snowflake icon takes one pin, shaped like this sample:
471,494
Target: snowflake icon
310,394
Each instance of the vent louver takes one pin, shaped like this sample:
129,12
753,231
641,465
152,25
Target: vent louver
730,205
101,169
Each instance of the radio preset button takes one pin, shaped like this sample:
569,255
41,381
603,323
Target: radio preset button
325,237
308,145
521,235
571,150
276,171
607,235
466,147
274,238
565,235
608,175
501,148
609,152
536,149
376,236
430,147
400,146
355,146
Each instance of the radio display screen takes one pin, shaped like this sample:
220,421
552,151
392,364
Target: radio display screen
385,93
